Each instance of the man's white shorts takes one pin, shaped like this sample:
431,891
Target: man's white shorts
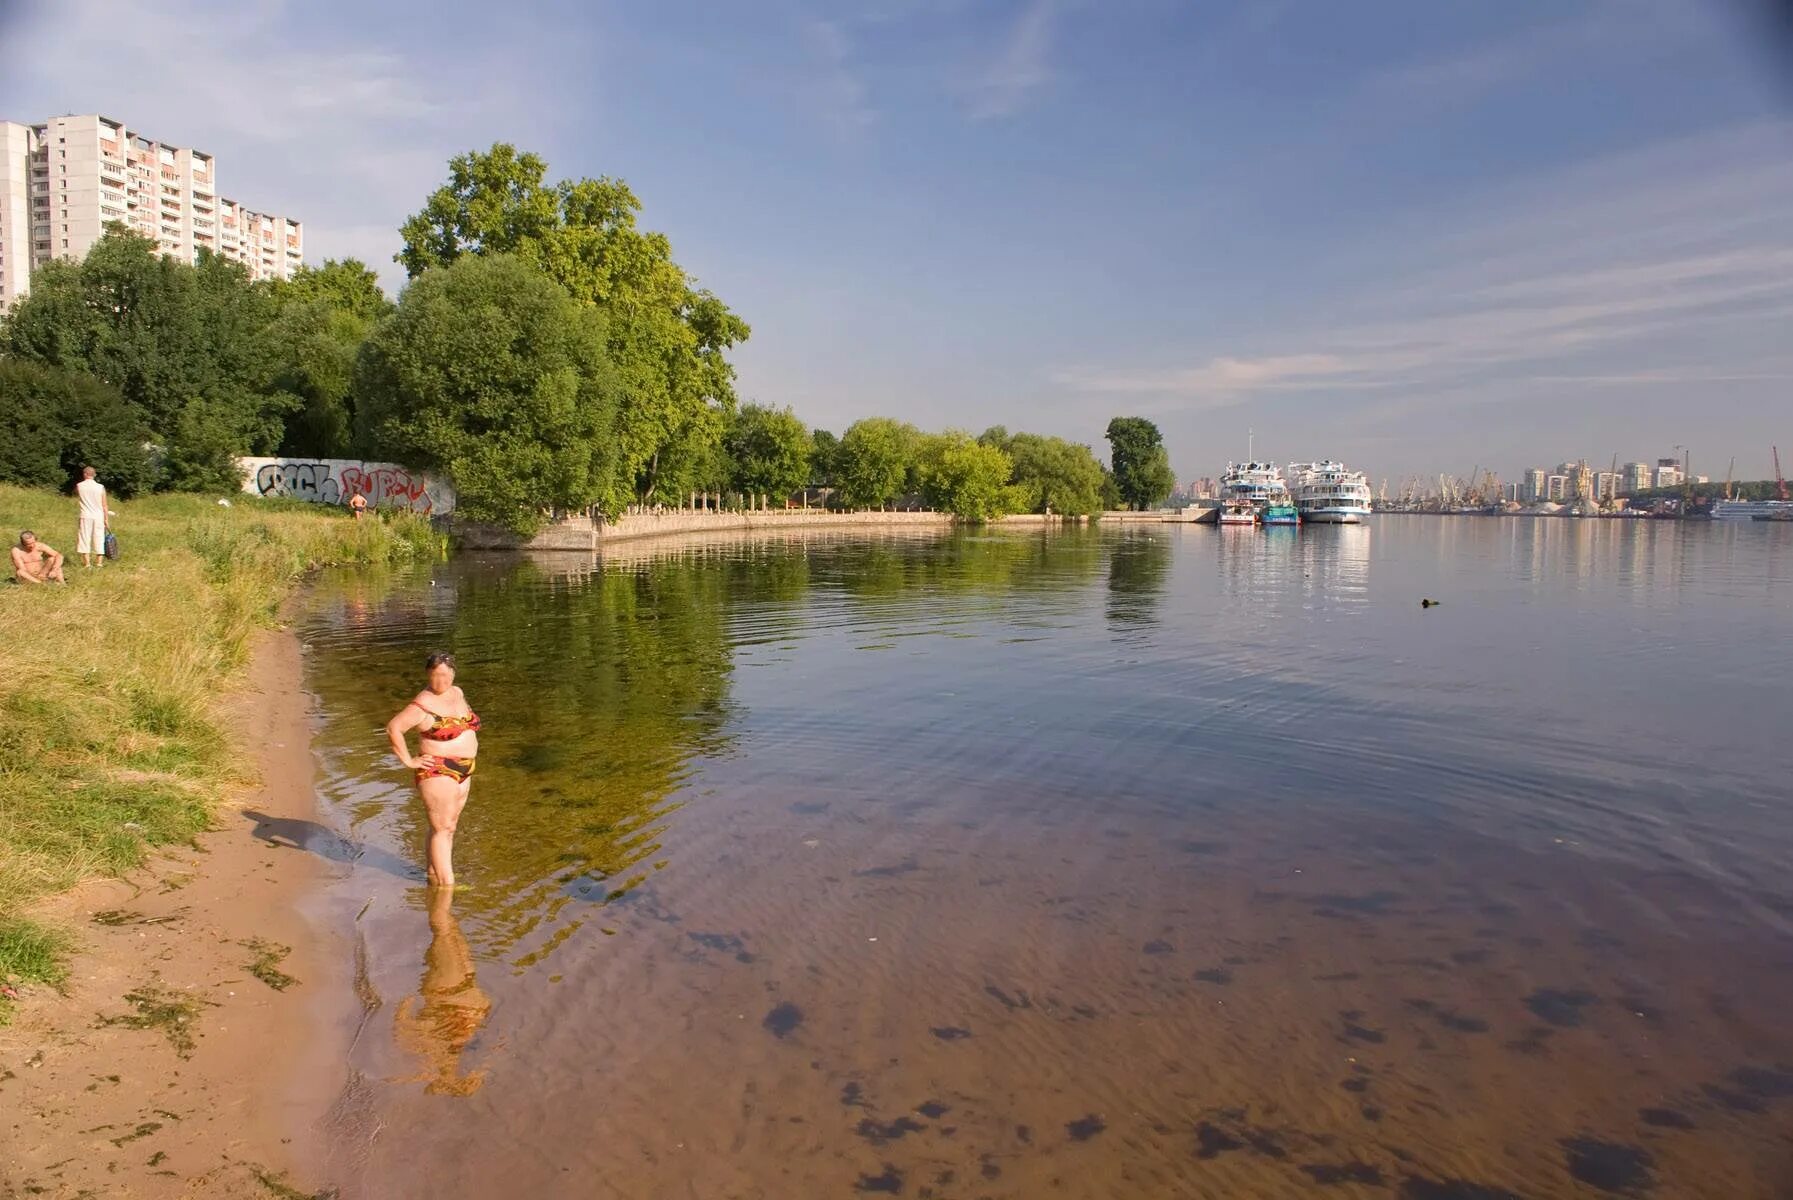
92,537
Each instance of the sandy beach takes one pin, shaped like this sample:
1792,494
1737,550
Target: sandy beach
185,1058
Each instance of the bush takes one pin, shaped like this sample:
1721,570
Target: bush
58,421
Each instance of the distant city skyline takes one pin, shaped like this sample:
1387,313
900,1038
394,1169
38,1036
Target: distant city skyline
1375,234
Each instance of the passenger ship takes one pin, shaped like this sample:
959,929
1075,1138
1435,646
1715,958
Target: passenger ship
1258,484
1328,494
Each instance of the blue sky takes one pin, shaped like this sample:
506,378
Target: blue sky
1419,236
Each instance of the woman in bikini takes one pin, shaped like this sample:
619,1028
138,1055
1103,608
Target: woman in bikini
448,741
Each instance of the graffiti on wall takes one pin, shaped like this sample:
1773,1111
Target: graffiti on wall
334,480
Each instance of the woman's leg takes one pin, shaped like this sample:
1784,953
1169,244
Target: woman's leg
443,797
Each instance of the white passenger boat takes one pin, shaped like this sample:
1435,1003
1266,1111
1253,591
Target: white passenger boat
1329,494
1238,512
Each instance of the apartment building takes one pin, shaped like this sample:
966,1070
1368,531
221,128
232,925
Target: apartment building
64,181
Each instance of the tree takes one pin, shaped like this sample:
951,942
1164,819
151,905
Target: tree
823,446
1054,475
963,476
187,346
1111,491
324,314
873,461
768,451
1141,464
58,421
666,337
489,372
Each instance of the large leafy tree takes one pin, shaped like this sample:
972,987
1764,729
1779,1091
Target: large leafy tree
324,314
187,347
1141,464
666,336
823,446
58,421
1054,475
873,459
965,477
768,451
490,373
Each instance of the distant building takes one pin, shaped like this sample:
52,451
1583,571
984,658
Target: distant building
1636,477
64,181
1534,488
1581,482
1510,492
1667,473
1606,485
1556,487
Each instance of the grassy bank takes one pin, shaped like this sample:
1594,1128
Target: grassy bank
114,689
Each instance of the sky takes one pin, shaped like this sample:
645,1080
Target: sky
1418,237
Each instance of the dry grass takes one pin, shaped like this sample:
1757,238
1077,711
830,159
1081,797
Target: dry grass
113,689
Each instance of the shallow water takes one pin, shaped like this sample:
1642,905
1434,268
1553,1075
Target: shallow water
1167,862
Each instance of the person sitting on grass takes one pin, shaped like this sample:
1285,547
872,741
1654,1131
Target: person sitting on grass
34,562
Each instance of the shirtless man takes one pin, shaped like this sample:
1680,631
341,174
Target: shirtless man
34,562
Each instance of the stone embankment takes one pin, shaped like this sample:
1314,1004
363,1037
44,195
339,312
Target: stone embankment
584,533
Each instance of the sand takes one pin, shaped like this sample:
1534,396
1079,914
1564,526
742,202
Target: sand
92,1107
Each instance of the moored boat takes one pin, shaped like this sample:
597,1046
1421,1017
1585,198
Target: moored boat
1280,512
1238,512
1327,493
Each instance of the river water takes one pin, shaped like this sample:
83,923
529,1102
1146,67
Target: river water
1099,863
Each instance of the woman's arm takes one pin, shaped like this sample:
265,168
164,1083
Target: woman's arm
407,718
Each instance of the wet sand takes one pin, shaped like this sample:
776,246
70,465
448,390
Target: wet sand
217,1104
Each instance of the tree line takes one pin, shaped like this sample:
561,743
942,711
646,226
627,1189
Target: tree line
546,353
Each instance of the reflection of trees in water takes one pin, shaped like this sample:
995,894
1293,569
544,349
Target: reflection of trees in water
436,1025
1138,565
599,689
968,562
607,687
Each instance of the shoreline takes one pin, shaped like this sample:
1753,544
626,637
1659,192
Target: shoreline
208,1083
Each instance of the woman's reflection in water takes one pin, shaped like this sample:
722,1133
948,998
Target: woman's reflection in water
437,1024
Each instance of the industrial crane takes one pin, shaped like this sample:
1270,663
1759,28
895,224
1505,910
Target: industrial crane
1780,484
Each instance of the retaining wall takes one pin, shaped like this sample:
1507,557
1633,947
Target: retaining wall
581,533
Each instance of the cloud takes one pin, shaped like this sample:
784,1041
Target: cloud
1672,265
1020,68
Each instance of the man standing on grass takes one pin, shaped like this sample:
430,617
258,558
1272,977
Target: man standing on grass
34,562
90,539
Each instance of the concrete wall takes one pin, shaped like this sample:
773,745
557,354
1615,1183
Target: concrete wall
584,534
334,480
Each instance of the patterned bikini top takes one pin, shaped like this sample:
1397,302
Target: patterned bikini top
446,729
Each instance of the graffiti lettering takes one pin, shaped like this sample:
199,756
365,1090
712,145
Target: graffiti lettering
333,481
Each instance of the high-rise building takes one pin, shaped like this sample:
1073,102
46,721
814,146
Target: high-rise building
64,181
1606,485
1556,487
1535,485
1637,477
1667,473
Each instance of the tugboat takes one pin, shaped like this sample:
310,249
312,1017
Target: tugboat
1280,512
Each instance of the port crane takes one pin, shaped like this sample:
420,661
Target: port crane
1780,484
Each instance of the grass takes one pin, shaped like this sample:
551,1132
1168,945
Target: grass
115,690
